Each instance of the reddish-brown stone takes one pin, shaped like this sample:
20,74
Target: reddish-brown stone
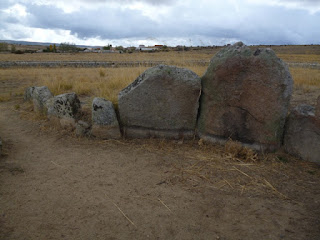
245,97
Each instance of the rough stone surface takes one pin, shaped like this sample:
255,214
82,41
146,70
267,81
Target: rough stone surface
103,112
0,147
28,94
40,96
104,120
245,97
163,101
65,105
318,108
302,135
82,129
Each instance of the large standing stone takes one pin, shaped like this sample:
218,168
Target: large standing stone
245,97
40,96
302,136
162,102
104,120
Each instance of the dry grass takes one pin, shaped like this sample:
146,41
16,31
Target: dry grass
5,97
97,82
107,82
236,150
306,77
182,58
300,58
207,166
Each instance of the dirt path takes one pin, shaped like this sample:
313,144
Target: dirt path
53,186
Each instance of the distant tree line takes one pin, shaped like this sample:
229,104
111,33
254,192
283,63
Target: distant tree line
51,48
108,47
4,47
68,47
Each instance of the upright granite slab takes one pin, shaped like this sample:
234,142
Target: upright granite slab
302,135
39,96
104,120
245,97
161,102
28,94
64,107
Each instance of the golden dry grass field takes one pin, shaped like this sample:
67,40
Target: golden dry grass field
107,82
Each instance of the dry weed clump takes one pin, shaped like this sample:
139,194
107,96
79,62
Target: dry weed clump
237,151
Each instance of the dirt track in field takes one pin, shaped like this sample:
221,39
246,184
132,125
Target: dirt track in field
56,186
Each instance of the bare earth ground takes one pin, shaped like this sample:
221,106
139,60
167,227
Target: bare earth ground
56,186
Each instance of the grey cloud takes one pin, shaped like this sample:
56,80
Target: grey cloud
259,25
104,23
4,4
264,25
303,2
311,5
152,2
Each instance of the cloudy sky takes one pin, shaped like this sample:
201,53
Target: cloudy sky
169,22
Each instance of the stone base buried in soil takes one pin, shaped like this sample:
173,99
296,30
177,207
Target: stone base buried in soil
255,146
106,132
131,132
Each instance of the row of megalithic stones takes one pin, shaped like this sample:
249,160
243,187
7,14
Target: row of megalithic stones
244,96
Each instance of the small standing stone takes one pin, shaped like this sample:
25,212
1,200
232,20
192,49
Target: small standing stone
64,109
28,94
82,129
104,120
302,135
40,96
64,105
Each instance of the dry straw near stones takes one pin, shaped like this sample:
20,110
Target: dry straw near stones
243,96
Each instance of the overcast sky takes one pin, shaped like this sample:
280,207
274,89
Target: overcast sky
169,22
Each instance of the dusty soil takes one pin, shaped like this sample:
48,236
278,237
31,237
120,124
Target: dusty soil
56,186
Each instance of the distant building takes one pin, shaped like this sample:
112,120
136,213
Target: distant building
143,48
148,49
